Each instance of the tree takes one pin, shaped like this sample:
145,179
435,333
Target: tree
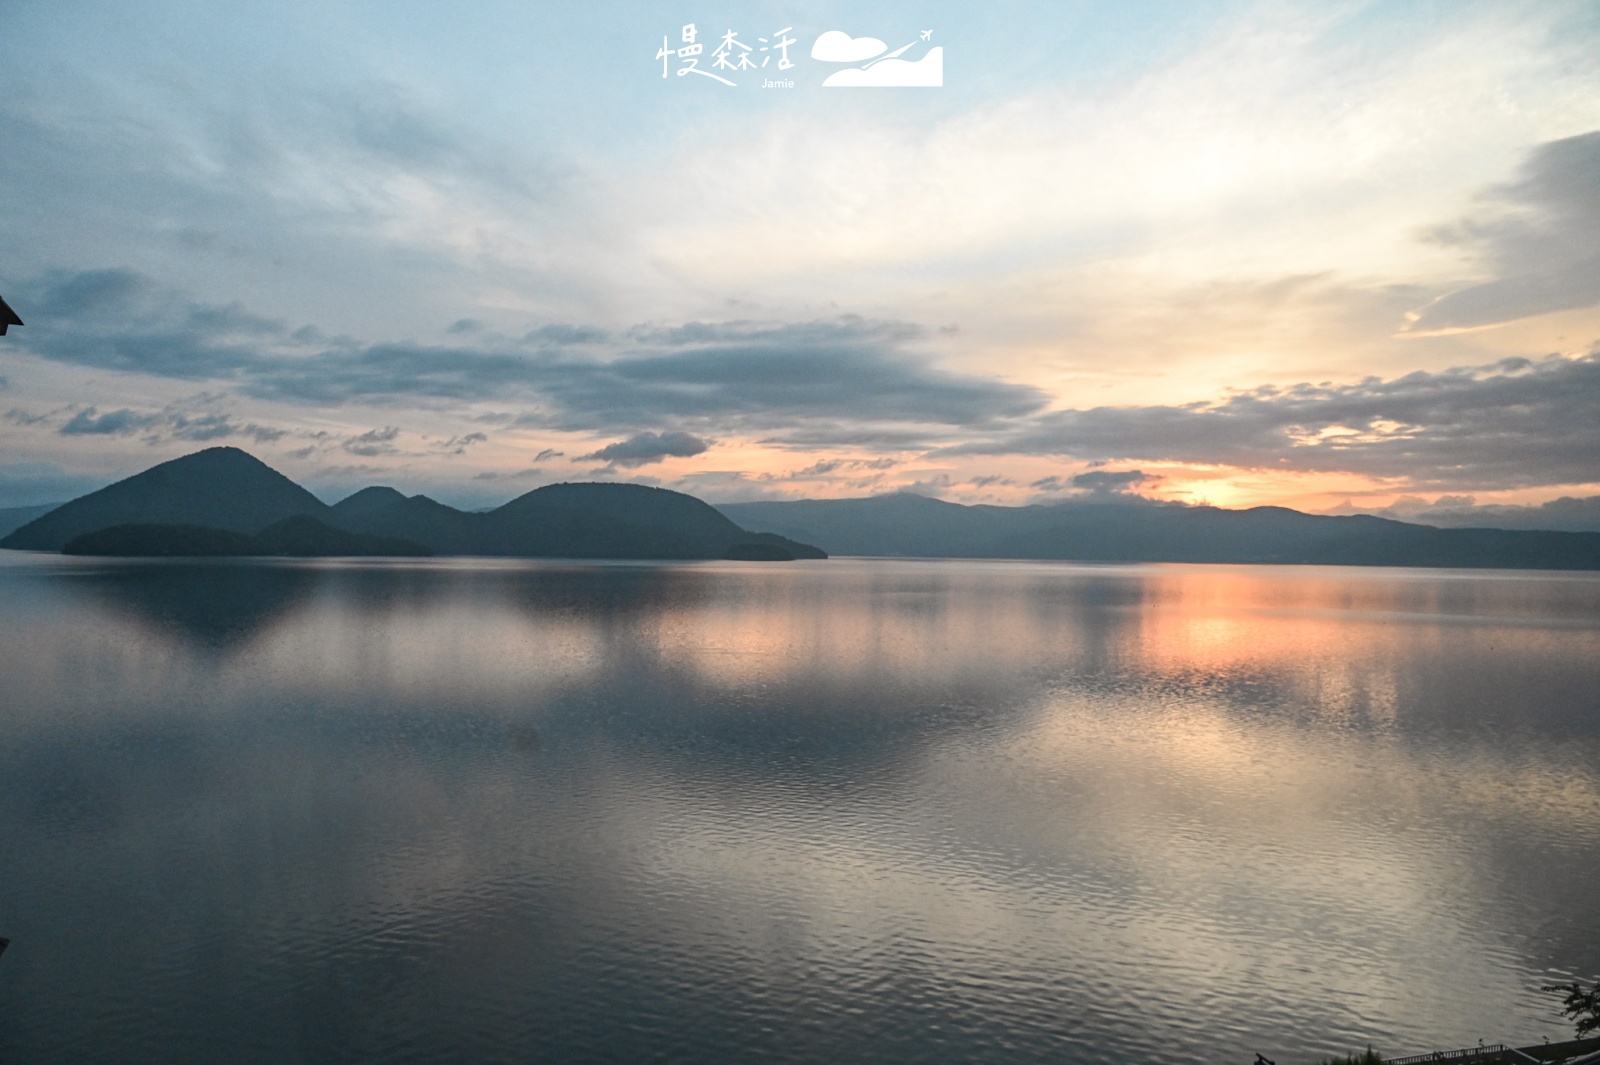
1369,1058
1582,1006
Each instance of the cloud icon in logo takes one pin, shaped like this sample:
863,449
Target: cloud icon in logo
837,46
890,73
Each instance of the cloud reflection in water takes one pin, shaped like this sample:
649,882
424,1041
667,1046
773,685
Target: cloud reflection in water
889,810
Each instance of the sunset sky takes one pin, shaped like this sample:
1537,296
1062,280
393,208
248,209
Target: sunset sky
1239,253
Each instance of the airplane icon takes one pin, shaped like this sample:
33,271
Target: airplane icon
927,35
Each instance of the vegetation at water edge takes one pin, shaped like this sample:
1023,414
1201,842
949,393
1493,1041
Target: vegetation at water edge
1369,1058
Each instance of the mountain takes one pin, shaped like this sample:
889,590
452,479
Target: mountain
366,502
218,488
12,518
159,541
301,536
231,502
444,529
1567,514
587,520
901,524
306,537
224,501
906,525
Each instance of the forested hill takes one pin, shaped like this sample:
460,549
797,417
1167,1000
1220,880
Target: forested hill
915,526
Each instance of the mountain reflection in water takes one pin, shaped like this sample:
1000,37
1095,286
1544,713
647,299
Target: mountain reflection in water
853,810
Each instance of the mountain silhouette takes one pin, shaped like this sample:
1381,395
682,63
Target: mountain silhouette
367,501
915,526
223,501
218,488
582,520
300,536
901,524
384,511
12,518
159,541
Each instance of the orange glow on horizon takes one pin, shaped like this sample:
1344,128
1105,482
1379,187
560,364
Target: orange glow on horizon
736,468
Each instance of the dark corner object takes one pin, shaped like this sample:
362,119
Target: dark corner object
4,943
8,318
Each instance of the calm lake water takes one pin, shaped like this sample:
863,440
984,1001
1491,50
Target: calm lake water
853,810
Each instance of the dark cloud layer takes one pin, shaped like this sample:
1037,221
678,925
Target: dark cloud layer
89,422
1111,482
1516,423
645,448
373,442
1094,486
176,422
759,377
846,381
1540,236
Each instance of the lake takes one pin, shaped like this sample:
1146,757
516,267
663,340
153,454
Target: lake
853,810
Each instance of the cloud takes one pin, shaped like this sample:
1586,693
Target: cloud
837,46
91,293
1514,423
935,486
825,468
646,448
758,377
458,445
373,442
509,475
1540,235
356,470
924,73
118,319
727,486
204,427
848,371
216,426
1094,486
566,335
333,176
1109,482
88,422
843,382
548,453
177,421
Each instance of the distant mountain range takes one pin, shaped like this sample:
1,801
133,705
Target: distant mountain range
223,501
1566,514
915,526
